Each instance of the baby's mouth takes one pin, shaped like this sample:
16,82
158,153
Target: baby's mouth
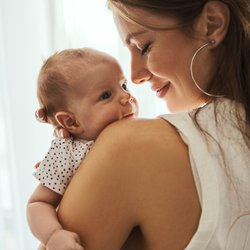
130,115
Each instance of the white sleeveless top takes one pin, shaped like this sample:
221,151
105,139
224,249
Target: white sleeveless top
221,167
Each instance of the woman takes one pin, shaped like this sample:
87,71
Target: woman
181,181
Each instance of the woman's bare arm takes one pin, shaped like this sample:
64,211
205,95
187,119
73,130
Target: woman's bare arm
137,174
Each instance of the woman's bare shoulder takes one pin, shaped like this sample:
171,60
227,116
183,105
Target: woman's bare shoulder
128,145
136,174
153,161
137,131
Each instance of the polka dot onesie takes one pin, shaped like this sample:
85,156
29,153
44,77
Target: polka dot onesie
61,162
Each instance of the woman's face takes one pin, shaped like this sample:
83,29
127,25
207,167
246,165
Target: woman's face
163,58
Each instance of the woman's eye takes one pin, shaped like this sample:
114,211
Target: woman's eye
105,95
145,49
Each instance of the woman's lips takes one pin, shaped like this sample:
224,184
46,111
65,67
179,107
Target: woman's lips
161,92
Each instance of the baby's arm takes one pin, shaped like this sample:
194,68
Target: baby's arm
44,224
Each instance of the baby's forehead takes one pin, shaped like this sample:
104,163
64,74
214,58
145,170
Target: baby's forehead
95,73
93,55
93,62
69,58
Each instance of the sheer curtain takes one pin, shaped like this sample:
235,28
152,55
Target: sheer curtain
30,31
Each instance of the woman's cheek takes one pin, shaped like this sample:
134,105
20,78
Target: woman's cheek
157,69
157,64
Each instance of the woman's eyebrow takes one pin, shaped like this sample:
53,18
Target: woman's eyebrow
133,35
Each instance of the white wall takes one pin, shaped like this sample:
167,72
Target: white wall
25,37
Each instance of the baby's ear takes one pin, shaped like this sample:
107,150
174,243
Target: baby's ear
68,121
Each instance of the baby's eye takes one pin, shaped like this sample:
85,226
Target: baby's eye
105,95
125,86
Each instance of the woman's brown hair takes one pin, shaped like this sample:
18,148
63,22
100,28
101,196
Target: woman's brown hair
233,74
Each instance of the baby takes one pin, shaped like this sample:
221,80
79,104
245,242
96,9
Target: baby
82,91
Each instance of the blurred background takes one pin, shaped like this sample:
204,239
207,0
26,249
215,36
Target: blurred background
29,32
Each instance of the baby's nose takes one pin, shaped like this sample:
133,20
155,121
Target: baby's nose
126,98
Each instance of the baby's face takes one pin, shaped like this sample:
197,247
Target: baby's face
104,99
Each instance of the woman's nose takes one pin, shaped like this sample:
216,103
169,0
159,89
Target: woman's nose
139,72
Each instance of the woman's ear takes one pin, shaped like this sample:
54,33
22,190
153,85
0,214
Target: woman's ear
68,121
215,18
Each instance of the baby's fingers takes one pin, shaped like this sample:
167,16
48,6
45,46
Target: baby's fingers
61,133
37,164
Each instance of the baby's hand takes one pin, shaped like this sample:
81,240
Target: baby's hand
64,240
37,164
61,133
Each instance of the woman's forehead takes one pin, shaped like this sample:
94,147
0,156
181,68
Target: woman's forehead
127,29
143,21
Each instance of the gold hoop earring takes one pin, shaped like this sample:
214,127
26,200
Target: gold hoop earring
191,70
